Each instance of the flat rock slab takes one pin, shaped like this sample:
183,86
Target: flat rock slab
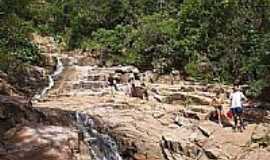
40,142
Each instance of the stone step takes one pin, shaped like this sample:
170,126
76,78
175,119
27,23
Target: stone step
89,84
97,77
185,98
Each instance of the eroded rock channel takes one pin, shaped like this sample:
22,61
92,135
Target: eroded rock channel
80,119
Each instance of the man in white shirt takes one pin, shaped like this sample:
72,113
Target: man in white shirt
236,106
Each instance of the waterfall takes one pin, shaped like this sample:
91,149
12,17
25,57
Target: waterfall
101,146
59,69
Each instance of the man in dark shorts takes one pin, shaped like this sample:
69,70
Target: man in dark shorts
236,107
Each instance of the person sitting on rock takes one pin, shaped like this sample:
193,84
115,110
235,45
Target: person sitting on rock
237,107
145,93
217,104
139,91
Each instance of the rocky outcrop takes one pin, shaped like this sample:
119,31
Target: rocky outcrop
16,110
6,88
27,79
149,130
261,135
78,57
31,79
261,154
27,133
172,124
40,143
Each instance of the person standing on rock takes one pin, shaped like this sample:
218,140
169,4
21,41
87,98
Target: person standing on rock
237,106
173,75
129,87
112,83
131,81
217,104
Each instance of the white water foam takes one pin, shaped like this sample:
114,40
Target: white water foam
59,69
101,145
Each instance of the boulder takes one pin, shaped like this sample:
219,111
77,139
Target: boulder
256,115
185,98
258,154
208,128
261,135
173,146
28,78
7,89
27,133
16,110
47,61
40,143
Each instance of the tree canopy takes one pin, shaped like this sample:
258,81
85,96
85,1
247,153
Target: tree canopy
223,40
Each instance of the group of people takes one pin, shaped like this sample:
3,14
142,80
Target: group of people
237,99
233,117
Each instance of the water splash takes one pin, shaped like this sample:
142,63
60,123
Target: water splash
59,69
45,90
101,145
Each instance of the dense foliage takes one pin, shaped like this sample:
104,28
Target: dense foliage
14,43
222,40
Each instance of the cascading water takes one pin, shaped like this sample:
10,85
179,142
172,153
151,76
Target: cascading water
59,69
102,147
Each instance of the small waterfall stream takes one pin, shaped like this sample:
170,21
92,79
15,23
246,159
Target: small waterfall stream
59,69
102,146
